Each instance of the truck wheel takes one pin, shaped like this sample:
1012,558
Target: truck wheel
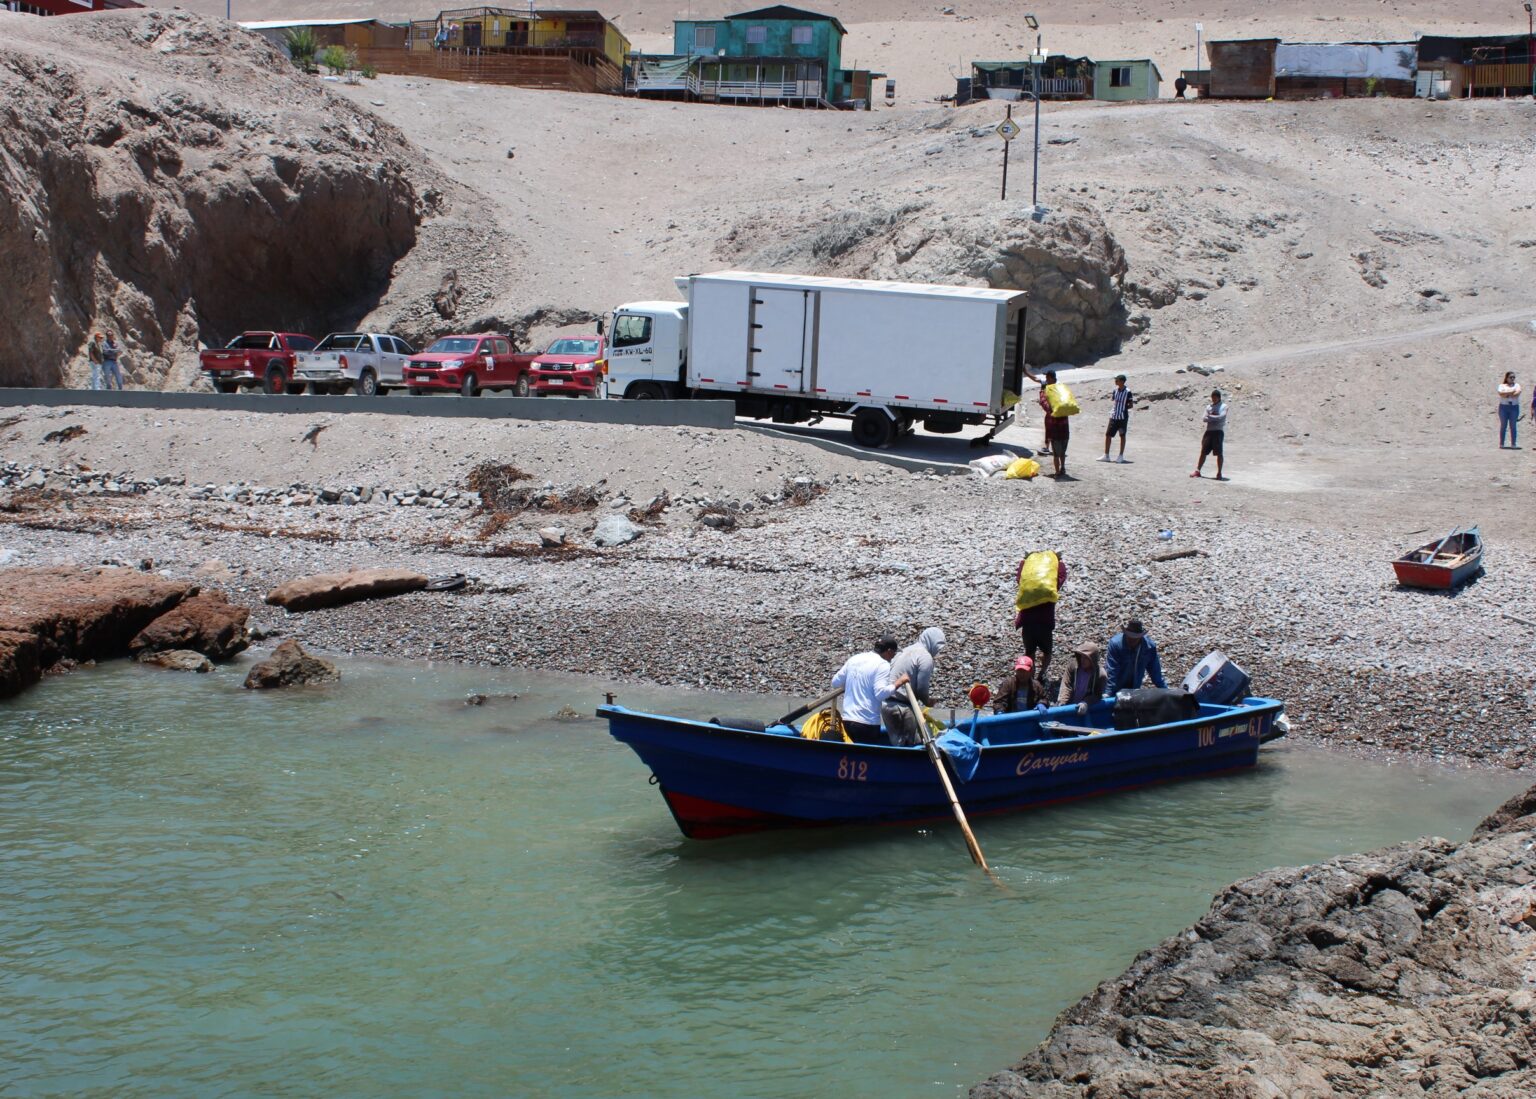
226,387
645,391
276,381
468,388
872,428
367,384
522,387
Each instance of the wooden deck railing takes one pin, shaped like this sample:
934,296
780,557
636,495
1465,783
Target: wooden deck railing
578,70
1516,78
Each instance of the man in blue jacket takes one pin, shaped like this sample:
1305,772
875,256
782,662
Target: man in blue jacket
1131,658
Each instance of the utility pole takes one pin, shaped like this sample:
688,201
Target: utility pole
1006,143
1530,44
1034,198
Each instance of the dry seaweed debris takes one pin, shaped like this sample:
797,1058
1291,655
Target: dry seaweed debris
494,481
653,511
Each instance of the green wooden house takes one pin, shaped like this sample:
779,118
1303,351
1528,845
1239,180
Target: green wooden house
770,55
1122,80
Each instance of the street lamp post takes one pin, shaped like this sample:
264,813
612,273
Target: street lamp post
1199,28
1034,87
1530,45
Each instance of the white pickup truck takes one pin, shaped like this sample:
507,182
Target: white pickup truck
365,363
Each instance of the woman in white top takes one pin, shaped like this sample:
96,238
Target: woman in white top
1509,410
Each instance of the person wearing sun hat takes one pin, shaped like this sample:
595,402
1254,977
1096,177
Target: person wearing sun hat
1130,659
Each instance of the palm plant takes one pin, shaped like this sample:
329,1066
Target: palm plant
301,45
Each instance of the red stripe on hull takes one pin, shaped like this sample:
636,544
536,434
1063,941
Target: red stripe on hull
702,819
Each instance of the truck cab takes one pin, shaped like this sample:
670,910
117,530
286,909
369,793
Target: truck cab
647,350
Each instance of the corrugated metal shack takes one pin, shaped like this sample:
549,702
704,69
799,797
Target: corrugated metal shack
359,34
1243,68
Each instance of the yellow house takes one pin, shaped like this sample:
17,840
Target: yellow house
508,29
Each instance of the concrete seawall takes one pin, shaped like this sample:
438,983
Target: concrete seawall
716,414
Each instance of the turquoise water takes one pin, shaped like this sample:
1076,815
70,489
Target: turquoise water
377,890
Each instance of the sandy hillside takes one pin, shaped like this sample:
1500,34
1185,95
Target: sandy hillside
1244,225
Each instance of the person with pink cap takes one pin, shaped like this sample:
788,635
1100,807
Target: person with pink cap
1021,690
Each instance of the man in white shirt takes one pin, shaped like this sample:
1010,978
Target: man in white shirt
866,680
1215,434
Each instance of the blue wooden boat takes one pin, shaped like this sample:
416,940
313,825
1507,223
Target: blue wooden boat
721,781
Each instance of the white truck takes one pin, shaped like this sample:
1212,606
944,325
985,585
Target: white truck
366,363
794,348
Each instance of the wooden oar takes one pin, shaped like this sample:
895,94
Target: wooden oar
808,707
936,756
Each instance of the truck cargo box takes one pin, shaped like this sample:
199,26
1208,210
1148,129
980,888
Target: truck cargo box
906,345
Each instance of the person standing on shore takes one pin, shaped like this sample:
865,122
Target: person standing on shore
866,680
110,365
1119,417
1215,434
1058,429
1509,410
93,352
1131,658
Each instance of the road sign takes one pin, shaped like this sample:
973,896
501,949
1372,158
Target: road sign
1008,129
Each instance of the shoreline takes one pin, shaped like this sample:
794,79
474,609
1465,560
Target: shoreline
759,563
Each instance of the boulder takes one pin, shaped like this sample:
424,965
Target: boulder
550,537
75,615
207,623
1402,971
177,660
615,530
333,589
290,666
1069,261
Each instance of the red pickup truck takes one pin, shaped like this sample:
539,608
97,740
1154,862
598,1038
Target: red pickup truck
469,365
262,359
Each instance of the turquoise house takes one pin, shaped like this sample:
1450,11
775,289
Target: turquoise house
771,54
1124,80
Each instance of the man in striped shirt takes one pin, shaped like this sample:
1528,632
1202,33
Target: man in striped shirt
1119,418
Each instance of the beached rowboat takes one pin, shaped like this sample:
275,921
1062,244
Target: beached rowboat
1444,563
720,781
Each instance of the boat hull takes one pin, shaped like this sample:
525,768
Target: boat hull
1437,568
721,782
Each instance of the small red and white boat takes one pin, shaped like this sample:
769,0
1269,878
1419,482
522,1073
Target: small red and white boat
1444,564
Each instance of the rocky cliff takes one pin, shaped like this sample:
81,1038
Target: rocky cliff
177,180
1407,971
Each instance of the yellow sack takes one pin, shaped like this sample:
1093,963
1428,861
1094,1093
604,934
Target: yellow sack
1037,581
1022,469
1010,398
936,728
825,725
1060,398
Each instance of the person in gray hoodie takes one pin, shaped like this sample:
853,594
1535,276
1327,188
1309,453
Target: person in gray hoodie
916,662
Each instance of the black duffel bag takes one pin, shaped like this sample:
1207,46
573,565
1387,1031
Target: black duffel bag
1154,706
